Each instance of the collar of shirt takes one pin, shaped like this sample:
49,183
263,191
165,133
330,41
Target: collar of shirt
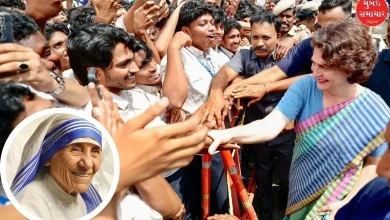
292,31
122,103
155,90
226,52
200,54
254,56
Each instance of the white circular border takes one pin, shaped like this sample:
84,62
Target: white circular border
42,113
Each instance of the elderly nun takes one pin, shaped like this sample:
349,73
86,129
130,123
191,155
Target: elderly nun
58,164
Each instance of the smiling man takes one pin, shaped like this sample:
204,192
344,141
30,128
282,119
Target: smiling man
285,10
278,152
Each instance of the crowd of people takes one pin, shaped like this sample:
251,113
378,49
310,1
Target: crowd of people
163,77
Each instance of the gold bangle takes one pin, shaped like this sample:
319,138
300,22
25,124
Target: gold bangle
265,87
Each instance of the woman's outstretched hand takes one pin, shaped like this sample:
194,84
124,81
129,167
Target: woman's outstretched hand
219,137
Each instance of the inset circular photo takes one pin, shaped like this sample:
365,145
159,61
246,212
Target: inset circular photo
59,164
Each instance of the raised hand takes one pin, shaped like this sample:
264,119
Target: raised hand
22,64
181,40
255,92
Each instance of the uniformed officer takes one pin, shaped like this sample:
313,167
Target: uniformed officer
306,18
285,10
312,6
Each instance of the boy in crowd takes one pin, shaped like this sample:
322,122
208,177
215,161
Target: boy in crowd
187,71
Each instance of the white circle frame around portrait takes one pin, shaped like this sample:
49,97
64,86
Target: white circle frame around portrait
48,112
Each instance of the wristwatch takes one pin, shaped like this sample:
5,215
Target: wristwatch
61,83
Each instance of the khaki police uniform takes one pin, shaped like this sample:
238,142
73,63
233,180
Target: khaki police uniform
297,32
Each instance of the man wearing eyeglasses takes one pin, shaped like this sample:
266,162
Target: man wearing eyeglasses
296,63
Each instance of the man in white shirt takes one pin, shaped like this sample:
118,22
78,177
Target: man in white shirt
110,51
230,44
187,71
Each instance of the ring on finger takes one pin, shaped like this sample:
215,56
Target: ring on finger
23,67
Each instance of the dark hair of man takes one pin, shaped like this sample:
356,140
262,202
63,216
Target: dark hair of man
348,47
191,11
81,16
305,14
219,15
11,106
248,4
267,17
23,26
231,24
13,4
56,27
141,45
243,13
92,46
327,5
126,5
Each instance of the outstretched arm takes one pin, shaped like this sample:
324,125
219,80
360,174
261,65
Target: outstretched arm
256,132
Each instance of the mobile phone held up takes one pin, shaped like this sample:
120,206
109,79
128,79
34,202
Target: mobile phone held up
6,35
6,29
92,79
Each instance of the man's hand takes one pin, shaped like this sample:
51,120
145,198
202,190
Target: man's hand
164,10
180,214
37,10
144,17
283,46
181,40
105,10
256,92
216,107
106,112
333,208
152,151
244,42
37,76
175,115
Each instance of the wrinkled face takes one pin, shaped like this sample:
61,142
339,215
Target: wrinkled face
58,46
287,19
246,32
219,31
202,32
264,38
61,17
231,41
49,8
39,44
147,74
120,74
383,168
331,16
74,167
32,106
326,78
269,5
